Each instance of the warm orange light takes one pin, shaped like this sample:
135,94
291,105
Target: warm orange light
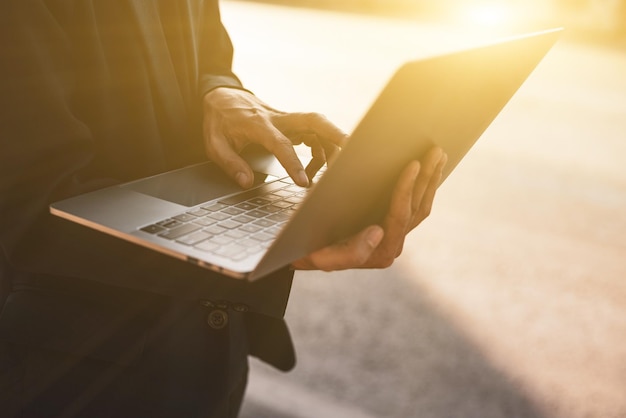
499,17
489,14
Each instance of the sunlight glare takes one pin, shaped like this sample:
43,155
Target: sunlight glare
490,14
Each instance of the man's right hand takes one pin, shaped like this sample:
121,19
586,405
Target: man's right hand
234,118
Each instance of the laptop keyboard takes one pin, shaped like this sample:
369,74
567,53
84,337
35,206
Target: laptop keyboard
235,227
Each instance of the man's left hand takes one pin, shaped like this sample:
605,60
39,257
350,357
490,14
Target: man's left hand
377,246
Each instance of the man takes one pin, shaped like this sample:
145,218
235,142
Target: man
100,92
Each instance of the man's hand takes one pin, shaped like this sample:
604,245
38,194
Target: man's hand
235,118
378,246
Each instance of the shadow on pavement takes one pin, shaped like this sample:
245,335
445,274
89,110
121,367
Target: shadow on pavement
392,357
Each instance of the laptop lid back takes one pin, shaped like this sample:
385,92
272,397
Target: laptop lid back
447,101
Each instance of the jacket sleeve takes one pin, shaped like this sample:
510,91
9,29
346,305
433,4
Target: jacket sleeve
215,68
44,146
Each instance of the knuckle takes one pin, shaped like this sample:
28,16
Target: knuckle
283,141
314,118
277,144
397,220
423,212
256,119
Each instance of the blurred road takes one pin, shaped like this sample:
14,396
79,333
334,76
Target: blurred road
510,300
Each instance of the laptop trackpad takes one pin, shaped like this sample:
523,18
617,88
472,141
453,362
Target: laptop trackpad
191,186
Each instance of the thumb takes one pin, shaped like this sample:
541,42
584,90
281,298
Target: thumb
351,253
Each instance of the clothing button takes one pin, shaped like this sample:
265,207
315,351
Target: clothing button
217,319
207,304
240,307
222,304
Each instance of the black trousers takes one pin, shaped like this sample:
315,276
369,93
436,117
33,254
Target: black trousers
186,367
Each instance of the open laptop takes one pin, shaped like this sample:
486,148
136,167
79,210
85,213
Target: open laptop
199,215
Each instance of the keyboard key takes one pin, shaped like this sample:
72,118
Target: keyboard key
207,246
248,243
240,255
260,201
236,234
254,250
293,188
205,221
271,208
246,206
170,223
194,238
282,193
153,229
198,212
215,230
229,224
215,207
264,223
250,228
179,231
294,199
219,216
257,213
233,211
279,217
272,197
184,217
244,219
282,204
273,231
261,236
230,250
221,240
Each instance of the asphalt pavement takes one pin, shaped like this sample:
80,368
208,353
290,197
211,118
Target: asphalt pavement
510,299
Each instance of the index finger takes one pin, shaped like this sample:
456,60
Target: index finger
279,145
322,152
311,123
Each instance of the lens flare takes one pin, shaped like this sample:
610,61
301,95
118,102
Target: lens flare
501,17
489,14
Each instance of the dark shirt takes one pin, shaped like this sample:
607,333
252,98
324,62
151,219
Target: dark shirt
94,93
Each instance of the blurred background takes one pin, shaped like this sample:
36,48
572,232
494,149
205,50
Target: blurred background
510,299
591,18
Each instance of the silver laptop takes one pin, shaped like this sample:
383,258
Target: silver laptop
199,215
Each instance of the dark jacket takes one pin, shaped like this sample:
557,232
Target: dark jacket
94,93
